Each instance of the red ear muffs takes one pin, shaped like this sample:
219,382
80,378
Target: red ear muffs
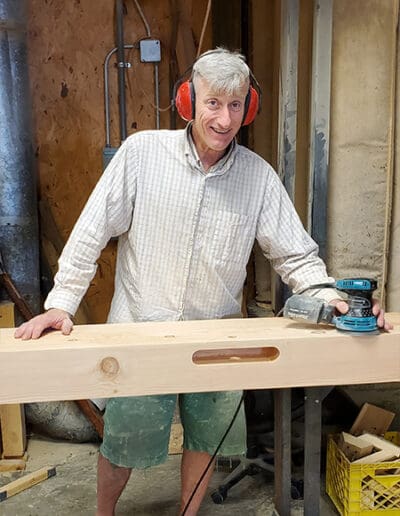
185,101
251,107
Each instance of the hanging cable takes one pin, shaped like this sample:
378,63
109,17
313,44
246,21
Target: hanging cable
203,29
141,13
156,80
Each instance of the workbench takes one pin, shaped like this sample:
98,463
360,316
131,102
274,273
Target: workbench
98,361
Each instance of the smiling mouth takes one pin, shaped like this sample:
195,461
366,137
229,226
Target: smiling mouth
219,131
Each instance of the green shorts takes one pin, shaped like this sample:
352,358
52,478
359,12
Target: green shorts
137,429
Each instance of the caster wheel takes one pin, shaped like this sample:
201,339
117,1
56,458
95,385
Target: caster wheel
218,496
297,489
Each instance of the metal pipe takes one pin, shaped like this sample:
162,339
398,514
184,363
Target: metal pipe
121,69
19,234
157,95
106,92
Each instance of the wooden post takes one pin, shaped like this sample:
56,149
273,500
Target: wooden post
12,417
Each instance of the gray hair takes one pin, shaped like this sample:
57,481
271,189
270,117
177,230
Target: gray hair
224,71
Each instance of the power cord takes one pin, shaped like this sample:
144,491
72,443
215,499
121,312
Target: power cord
213,457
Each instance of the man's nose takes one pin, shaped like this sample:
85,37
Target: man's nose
224,118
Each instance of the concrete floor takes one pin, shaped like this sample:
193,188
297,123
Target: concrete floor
154,492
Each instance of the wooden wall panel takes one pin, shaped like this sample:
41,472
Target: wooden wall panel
361,166
68,42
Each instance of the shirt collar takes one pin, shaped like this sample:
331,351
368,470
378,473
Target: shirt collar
221,167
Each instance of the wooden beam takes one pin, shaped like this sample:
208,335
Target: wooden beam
12,417
26,482
98,361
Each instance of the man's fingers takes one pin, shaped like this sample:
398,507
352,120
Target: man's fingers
53,319
388,326
19,331
66,326
342,307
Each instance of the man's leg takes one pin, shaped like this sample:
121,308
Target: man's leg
111,481
136,435
192,467
205,418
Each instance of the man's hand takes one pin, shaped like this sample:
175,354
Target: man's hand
342,307
54,319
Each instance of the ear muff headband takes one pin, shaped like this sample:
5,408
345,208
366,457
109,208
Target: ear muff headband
185,100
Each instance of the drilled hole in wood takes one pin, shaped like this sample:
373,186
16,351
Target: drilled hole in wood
235,356
109,366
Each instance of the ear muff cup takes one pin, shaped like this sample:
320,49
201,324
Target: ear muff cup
252,106
185,100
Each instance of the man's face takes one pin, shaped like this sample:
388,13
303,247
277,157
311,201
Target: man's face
218,118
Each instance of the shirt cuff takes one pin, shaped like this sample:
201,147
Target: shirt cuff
63,301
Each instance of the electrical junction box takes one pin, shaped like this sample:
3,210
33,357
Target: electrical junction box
150,51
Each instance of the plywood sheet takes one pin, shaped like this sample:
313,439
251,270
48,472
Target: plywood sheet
67,46
152,358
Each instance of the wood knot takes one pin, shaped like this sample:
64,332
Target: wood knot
109,366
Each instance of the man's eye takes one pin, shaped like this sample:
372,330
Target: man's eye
236,106
212,103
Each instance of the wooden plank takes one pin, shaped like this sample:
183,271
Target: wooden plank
12,465
6,314
13,434
25,482
12,417
98,361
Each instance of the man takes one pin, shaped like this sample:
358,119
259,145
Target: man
187,206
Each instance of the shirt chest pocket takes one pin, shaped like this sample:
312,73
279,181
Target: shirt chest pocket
233,237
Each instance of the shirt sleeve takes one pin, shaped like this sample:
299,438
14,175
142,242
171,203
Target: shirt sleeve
286,244
107,214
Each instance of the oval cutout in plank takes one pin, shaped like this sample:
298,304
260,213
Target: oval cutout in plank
235,356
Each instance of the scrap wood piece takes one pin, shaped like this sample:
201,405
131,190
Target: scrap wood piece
12,465
386,450
13,430
373,420
26,482
354,447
